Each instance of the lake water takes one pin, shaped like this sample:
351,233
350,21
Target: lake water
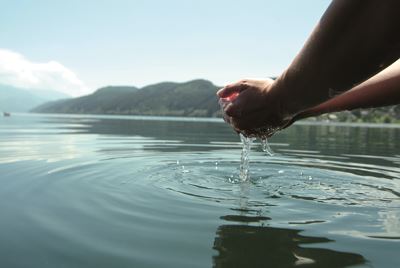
92,191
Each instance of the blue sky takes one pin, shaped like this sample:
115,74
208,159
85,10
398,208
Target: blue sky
94,43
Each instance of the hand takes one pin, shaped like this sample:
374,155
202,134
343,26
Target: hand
256,110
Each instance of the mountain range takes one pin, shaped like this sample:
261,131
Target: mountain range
193,98
13,99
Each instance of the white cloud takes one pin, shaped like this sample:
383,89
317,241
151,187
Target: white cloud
18,71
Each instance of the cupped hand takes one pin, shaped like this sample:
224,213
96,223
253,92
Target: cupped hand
256,107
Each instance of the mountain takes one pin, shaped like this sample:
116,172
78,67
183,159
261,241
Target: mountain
193,98
13,99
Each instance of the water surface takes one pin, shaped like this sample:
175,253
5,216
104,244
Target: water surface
103,191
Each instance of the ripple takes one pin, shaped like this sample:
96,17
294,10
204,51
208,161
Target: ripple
324,181
150,198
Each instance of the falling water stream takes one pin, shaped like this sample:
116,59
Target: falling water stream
244,160
265,147
244,171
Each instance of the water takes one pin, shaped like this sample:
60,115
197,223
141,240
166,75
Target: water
244,169
245,157
265,147
82,191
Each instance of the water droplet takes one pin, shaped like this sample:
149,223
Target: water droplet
177,162
232,179
310,178
281,171
184,170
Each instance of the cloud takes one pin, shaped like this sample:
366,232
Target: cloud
18,71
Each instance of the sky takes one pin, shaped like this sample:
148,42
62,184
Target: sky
78,46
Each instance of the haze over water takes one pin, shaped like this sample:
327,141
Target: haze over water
104,191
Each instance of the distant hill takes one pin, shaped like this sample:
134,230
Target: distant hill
193,98
13,99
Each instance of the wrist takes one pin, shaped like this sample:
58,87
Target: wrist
280,94
294,94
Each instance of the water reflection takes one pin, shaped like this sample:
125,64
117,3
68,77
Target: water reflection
258,246
247,240
328,140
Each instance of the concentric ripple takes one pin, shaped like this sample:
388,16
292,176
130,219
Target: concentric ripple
316,180
132,192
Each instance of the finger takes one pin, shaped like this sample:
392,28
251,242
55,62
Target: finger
232,88
246,103
299,116
289,123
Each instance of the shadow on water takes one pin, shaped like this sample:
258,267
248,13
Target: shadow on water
259,246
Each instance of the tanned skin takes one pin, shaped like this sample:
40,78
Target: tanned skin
353,41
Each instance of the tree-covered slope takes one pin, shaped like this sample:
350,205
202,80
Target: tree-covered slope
193,98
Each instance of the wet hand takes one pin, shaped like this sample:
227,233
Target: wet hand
253,106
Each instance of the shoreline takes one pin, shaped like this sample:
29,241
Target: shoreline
203,119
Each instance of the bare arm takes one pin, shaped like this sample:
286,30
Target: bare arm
381,90
353,41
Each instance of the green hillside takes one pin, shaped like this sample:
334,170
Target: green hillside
193,98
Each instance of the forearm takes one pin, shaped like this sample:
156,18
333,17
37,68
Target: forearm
353,41
381,90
